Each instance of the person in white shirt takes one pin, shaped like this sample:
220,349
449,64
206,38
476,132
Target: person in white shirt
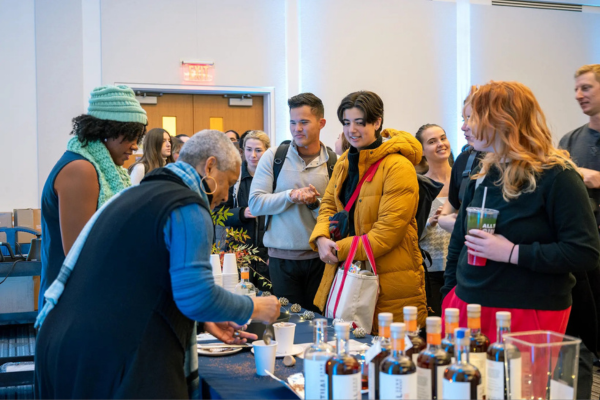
157,153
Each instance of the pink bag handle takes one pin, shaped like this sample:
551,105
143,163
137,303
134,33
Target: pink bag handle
349,259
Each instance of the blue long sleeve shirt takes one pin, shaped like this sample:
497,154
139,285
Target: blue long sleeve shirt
188,237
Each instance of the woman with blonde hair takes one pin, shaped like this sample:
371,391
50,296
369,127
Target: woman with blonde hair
254,146
157,153
545,229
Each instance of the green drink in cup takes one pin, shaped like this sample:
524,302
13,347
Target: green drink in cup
484,219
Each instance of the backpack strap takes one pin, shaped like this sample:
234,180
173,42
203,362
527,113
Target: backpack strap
280,155
331,161
467,173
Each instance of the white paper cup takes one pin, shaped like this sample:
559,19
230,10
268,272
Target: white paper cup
229,281
229,264
215,262
218,280
264,356
284,333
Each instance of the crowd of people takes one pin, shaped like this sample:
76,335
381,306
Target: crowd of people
141,241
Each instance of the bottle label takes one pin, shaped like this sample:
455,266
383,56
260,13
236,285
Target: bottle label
425,380
456,390
371,382
494,388
424,389
479,360
397,386
346,387
315,379
515,376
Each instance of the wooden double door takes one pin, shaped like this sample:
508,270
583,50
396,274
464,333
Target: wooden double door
192,113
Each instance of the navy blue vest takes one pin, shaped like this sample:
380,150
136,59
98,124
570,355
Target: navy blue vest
116,331
53,254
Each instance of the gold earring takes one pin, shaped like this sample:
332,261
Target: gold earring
202,186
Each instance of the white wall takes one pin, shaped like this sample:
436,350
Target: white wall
59,50
539,48
144,41
405,51
18,138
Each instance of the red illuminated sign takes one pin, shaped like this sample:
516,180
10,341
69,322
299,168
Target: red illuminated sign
198,73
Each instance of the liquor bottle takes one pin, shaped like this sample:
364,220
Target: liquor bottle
479,342
451,324
461,379
412,331
245,287
432,362
398,373
315,358
496,383
383,346
343,370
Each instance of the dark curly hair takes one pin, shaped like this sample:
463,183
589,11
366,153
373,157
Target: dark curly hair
90,129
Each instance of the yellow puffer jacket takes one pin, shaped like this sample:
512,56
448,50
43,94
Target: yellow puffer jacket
385,210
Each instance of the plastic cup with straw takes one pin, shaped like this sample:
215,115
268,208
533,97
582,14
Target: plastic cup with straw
484,219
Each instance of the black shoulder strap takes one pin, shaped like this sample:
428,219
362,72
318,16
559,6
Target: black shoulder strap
279,159
331,161
466,174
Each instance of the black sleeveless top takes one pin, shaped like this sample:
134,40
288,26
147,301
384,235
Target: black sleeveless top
116,331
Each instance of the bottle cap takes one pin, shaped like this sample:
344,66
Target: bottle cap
342,327
410,310
462,335
398,329
433,322
474,308
452,314
503,319
386,317
503,316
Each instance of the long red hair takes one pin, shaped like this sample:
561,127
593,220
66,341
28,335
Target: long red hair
508,117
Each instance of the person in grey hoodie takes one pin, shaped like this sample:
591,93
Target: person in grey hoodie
292,202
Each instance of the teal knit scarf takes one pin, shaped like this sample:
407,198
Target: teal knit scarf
111,177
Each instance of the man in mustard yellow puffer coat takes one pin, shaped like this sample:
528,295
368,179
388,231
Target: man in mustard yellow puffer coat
385,211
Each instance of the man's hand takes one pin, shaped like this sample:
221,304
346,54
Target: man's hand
247,213
591,178
493,247
306,195
229,332
326,250
266,309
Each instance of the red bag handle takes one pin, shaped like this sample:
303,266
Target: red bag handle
368,176
349,259
369,251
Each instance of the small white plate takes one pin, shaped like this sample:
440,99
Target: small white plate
296,349
219,351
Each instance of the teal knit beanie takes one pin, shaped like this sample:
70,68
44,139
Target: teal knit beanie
116,103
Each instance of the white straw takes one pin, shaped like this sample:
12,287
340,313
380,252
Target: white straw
483,202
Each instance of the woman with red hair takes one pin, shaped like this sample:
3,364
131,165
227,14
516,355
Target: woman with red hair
545,228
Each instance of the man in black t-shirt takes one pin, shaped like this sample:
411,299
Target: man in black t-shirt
583,144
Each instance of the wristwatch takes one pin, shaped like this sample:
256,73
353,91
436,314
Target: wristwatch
314,206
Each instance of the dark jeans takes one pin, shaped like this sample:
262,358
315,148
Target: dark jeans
297,280
434,297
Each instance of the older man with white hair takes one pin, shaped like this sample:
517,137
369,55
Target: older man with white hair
120,317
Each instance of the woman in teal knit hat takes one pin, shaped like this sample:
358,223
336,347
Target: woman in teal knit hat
89,173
